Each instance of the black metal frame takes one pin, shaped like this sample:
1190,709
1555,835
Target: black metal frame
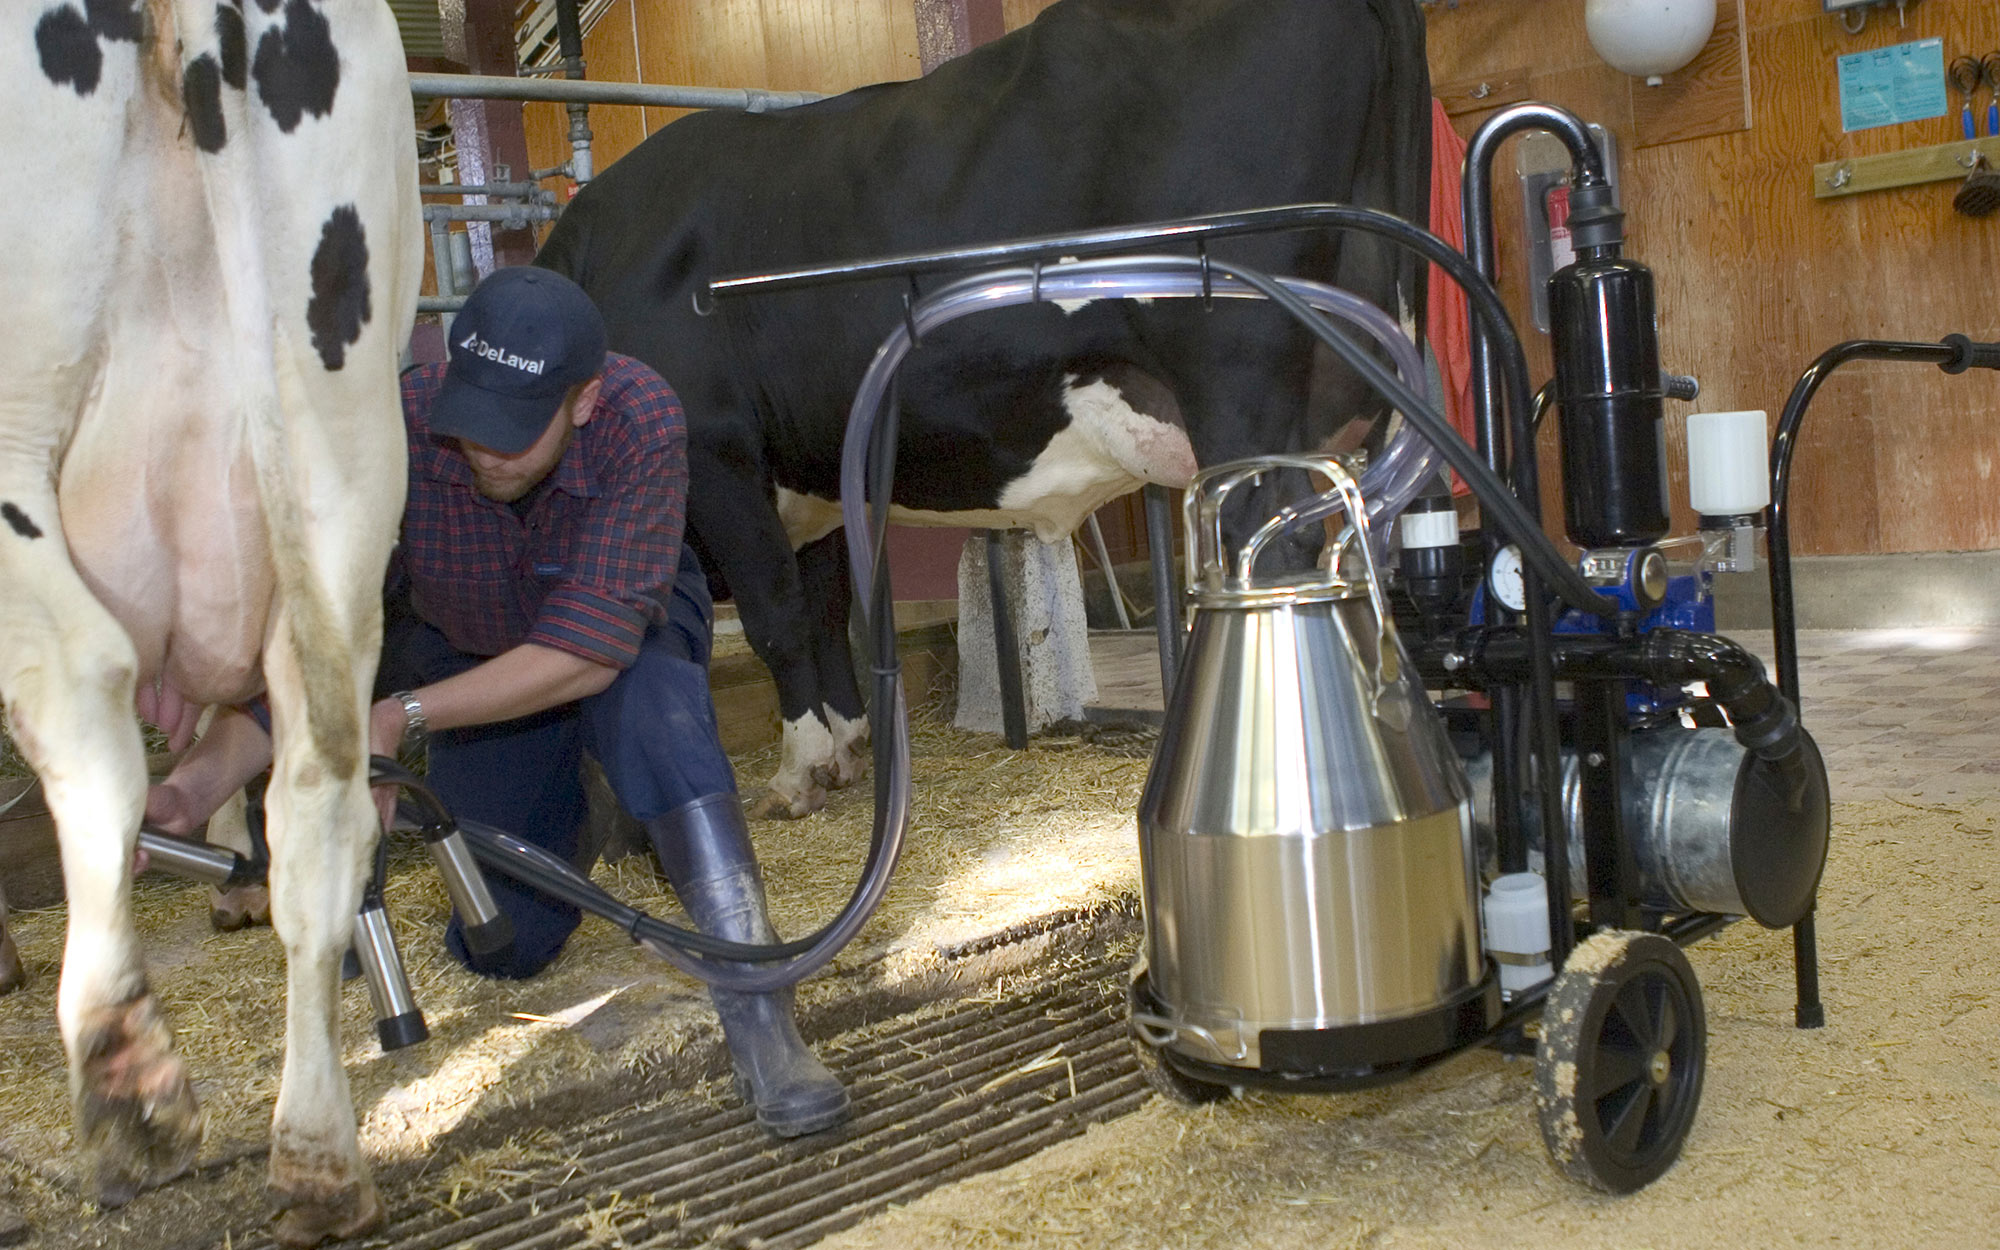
1954,354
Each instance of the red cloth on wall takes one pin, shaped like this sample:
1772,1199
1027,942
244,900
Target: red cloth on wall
1446,325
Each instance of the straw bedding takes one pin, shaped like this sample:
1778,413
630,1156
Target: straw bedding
997,838
1882,1129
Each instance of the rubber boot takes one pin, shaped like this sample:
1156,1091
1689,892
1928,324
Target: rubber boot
704,848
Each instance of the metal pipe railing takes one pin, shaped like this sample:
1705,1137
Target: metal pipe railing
515,216
498,190
584,91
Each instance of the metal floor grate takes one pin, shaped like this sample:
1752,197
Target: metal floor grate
942,1096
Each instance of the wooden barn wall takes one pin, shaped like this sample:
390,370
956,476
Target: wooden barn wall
1756,277
784,45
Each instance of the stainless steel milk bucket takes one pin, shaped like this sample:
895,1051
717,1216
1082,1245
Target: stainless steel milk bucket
1305,833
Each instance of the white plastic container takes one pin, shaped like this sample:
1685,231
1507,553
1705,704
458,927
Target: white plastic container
1729,458
1516,912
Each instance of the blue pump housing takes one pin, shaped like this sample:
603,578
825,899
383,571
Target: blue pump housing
1689,605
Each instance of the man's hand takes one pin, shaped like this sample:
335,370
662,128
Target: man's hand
515,683
171,809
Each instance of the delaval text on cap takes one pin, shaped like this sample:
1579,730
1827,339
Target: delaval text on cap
523,339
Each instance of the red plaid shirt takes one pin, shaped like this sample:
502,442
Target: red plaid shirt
590,565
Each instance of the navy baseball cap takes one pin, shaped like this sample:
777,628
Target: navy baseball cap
524,337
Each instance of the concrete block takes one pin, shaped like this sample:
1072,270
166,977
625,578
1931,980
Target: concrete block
1046,599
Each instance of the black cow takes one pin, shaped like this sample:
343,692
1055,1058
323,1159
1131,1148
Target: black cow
1100,112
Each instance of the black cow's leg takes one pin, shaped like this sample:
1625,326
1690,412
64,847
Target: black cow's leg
829,594
742,539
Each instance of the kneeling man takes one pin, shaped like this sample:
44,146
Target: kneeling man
552,610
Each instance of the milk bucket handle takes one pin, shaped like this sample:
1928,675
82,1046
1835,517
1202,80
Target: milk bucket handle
1204,509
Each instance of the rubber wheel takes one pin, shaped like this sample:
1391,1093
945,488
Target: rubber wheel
1619,1068
1171,1084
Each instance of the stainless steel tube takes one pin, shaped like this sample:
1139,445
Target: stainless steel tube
565,91
198,861
487,928
398,1023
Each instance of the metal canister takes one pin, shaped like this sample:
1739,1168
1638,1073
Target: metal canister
1305,833
1712,827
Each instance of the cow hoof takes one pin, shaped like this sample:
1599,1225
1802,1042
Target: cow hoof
137,1121
840,772
348,1211
850,764
850,756
772,805
246,905
11,975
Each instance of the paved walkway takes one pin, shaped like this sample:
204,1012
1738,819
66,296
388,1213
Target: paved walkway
1903,714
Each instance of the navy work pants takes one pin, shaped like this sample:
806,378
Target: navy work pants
652,731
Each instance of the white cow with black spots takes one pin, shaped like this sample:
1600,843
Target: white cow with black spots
201,469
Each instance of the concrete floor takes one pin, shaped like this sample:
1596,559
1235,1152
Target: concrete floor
1902,713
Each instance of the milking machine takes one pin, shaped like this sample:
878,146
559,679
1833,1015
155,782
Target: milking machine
1348,879
1316,830
1360,856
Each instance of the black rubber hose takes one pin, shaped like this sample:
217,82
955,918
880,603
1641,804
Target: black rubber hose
1765,722
748,968
531,865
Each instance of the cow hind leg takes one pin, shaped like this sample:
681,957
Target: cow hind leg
828,589
66,676
321,828
743,539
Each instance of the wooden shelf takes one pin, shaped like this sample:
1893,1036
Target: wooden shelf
1856,174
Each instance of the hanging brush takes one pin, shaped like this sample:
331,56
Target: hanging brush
1980,195
1989,69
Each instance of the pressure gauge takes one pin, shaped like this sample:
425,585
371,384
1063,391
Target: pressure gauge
1504,579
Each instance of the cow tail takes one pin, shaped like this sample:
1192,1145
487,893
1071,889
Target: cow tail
1409,135
324,651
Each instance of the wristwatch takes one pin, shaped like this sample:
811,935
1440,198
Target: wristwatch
415,727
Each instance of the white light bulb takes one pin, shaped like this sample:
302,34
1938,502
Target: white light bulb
1649,38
